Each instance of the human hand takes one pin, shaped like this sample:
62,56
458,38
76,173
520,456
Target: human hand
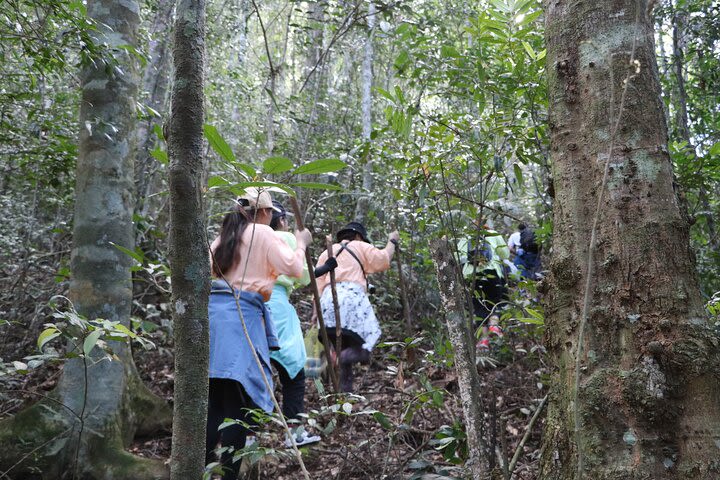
304,237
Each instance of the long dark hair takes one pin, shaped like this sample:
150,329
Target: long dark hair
227,252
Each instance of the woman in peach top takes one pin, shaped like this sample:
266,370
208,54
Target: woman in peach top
356,258
246,258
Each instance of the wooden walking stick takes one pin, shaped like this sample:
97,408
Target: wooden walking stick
316,293
406,306
336,302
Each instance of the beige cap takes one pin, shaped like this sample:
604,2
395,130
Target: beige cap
256,199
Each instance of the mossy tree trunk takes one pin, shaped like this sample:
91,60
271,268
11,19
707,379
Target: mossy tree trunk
188,243
453,300
635,386
99,405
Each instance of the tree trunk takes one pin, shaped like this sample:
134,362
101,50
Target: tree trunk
155,85
453,300
634,391
188,243
363,204
98,406
682,121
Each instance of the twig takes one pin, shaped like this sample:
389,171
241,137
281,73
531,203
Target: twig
336,302
316,293
5,473
525,438
409,352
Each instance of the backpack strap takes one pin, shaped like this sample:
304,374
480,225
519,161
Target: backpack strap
344,247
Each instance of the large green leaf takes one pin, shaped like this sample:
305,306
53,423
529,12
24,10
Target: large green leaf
275,165
47,335
324,165
317,186
218,143
91,340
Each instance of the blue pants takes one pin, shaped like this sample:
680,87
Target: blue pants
529,264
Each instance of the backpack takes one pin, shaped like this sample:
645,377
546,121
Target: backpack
527,240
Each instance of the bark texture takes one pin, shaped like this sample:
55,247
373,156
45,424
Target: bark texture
99,405
635,395
453,300
188,243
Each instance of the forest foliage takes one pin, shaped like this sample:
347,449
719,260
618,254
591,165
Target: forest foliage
459,130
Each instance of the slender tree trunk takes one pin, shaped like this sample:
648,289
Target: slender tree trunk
681,112
100,405
363,203
682,120
188,243
155,85
453,300
634,390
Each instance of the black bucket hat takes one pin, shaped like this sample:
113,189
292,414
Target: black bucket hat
356,227
279,210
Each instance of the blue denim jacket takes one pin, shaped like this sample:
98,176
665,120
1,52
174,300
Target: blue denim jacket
230,354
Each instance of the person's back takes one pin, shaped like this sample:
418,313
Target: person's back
527,252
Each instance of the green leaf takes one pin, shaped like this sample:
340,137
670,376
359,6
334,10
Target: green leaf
385,94
277,165
91,340
401,61
158,131
317,186
218,143
160,155
239,188
529,50
324,165
47,335
136,255
382,419
519,175
715,149
448,51
216,181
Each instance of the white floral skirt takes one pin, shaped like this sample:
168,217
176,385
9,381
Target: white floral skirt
356,312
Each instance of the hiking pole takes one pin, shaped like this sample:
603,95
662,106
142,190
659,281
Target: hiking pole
336,302
316,293
406,306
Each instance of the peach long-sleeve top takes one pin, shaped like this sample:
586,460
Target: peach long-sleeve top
348,270
267,257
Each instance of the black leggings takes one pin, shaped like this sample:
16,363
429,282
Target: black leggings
352,352
227,399
293,391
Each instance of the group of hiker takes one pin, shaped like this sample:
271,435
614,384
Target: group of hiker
256,263
487,267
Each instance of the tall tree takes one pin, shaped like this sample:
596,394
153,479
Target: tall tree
366,78
99,405
188,243
155,85
450,284
634,391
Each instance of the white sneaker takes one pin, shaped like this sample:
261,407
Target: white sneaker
302,438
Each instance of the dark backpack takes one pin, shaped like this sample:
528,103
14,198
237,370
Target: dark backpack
527,240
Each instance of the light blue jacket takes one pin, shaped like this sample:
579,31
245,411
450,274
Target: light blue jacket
230,354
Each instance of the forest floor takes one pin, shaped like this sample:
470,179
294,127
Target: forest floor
402,423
